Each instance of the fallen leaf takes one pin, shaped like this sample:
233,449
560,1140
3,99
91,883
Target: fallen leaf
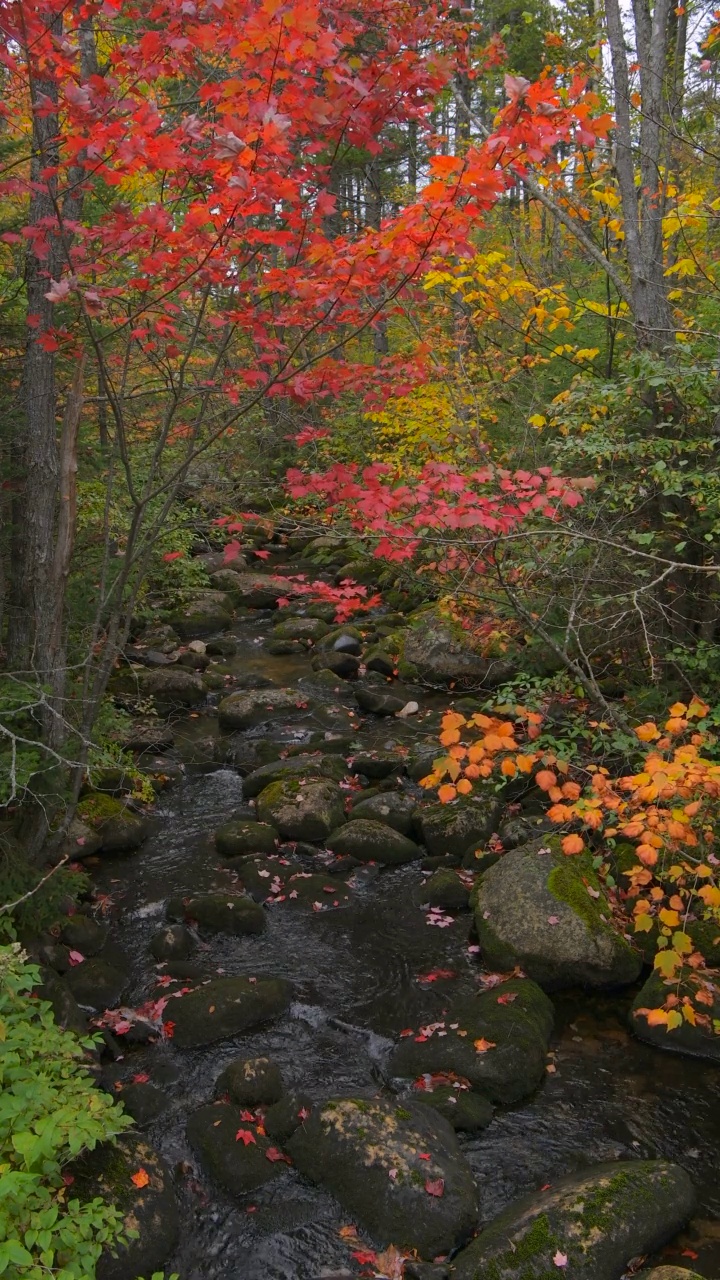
560,1259
508,999
76,957
553,919
435,1186
141,1178
482,1046
274,1154
142,1077
246,1136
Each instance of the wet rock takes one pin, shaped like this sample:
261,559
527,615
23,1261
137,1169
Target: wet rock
222,646
378,659
523,828
598,1219
377,701
282,1119
300,766
97,984
82,933
150,1211
172,687
326,685
144,1102
172,942
479,860
372,842
462,1108
194,661
425,1270
244,836
117,827
308,811
250,707
251,1082
534,909
343,665
668,1273
226,1007
81,841
66,1010
235,914
352,1146
148,735
378,764
258,590
697,1041
447,889
347,643
300,629
268,880
392,808
442,654
207,612
450,828
283,648
502,1052
232,1163
345,639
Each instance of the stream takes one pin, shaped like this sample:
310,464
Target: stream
356,976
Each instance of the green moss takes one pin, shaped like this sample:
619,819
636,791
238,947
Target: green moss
402,1114
569,882
539,1239
362,1105
98,808
599,1208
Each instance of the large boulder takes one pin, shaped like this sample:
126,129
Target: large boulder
496,1041
207,612
302,766
235,1162
393,808
225,1007
149,1211
302,811
442,653
251,1082
597,1220
549,914
395,1167
250,707
309,629
372,842
232,913
699,1040
276,881
117,828
451,828
258,590
97,983
242,835
171,686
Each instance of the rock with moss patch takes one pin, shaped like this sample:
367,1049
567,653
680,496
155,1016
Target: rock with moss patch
343,665
447,889
393,808
282,882
463,1108
171,687
496,1041
82,933
207,612
251,1082
302,811
698,1041
450,828
235,1162
598,1220
232,913
226,1007
372,842
149,1211
248,708
549,914
285,1116
172,942
295,767
442,653
242,835
258,590
117,827
378,764
368,1153
668,1273
97,984
310,629
144,1102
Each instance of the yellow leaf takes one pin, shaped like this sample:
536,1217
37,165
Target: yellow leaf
667,962
537,420
644,923
670,918
682,943
674,1020
683,267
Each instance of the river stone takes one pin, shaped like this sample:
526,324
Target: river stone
442,654
144,1102
372,842
283,648
516,1017
234,1165
259,590
392,808
222,646
343,665
377,764
300,811
462,1108
96,984
450,828
377,701
66,1010
205,613
172,942
284,1117
173,686
697,1041
300,629
268,880
251,1082
599,1219
378,659
351,1145
344,639
147,735
533,909
668,1273
117,827
446,889
301,766
225,1007
229,578
150,1211
244,836
82,933
231,913
250,707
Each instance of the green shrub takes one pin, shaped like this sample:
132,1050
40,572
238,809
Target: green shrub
50,1111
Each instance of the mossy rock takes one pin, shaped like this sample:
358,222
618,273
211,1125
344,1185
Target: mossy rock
242,835
117,827
697,1041
549,914
378,764
392,808
285,1116
327,686
97,984
172,942
331,638
450,828
442,653
464,1109
247,708
236,1166
311,629
201,616
372,842
446,889
668,1273
144,1102
378,701
302,811
598,1219
82,933
378,658
232,913
515,1017
352,1146
150,1211
344,666
292,768
251,1082
283,883
284,648
226,1007
258,591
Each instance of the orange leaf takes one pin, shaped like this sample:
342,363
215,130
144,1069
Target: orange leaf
647,732
482,1046
464,787
647,854
141,1178
572,844
446,793
546,779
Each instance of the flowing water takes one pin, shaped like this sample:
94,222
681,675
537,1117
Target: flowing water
356,973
